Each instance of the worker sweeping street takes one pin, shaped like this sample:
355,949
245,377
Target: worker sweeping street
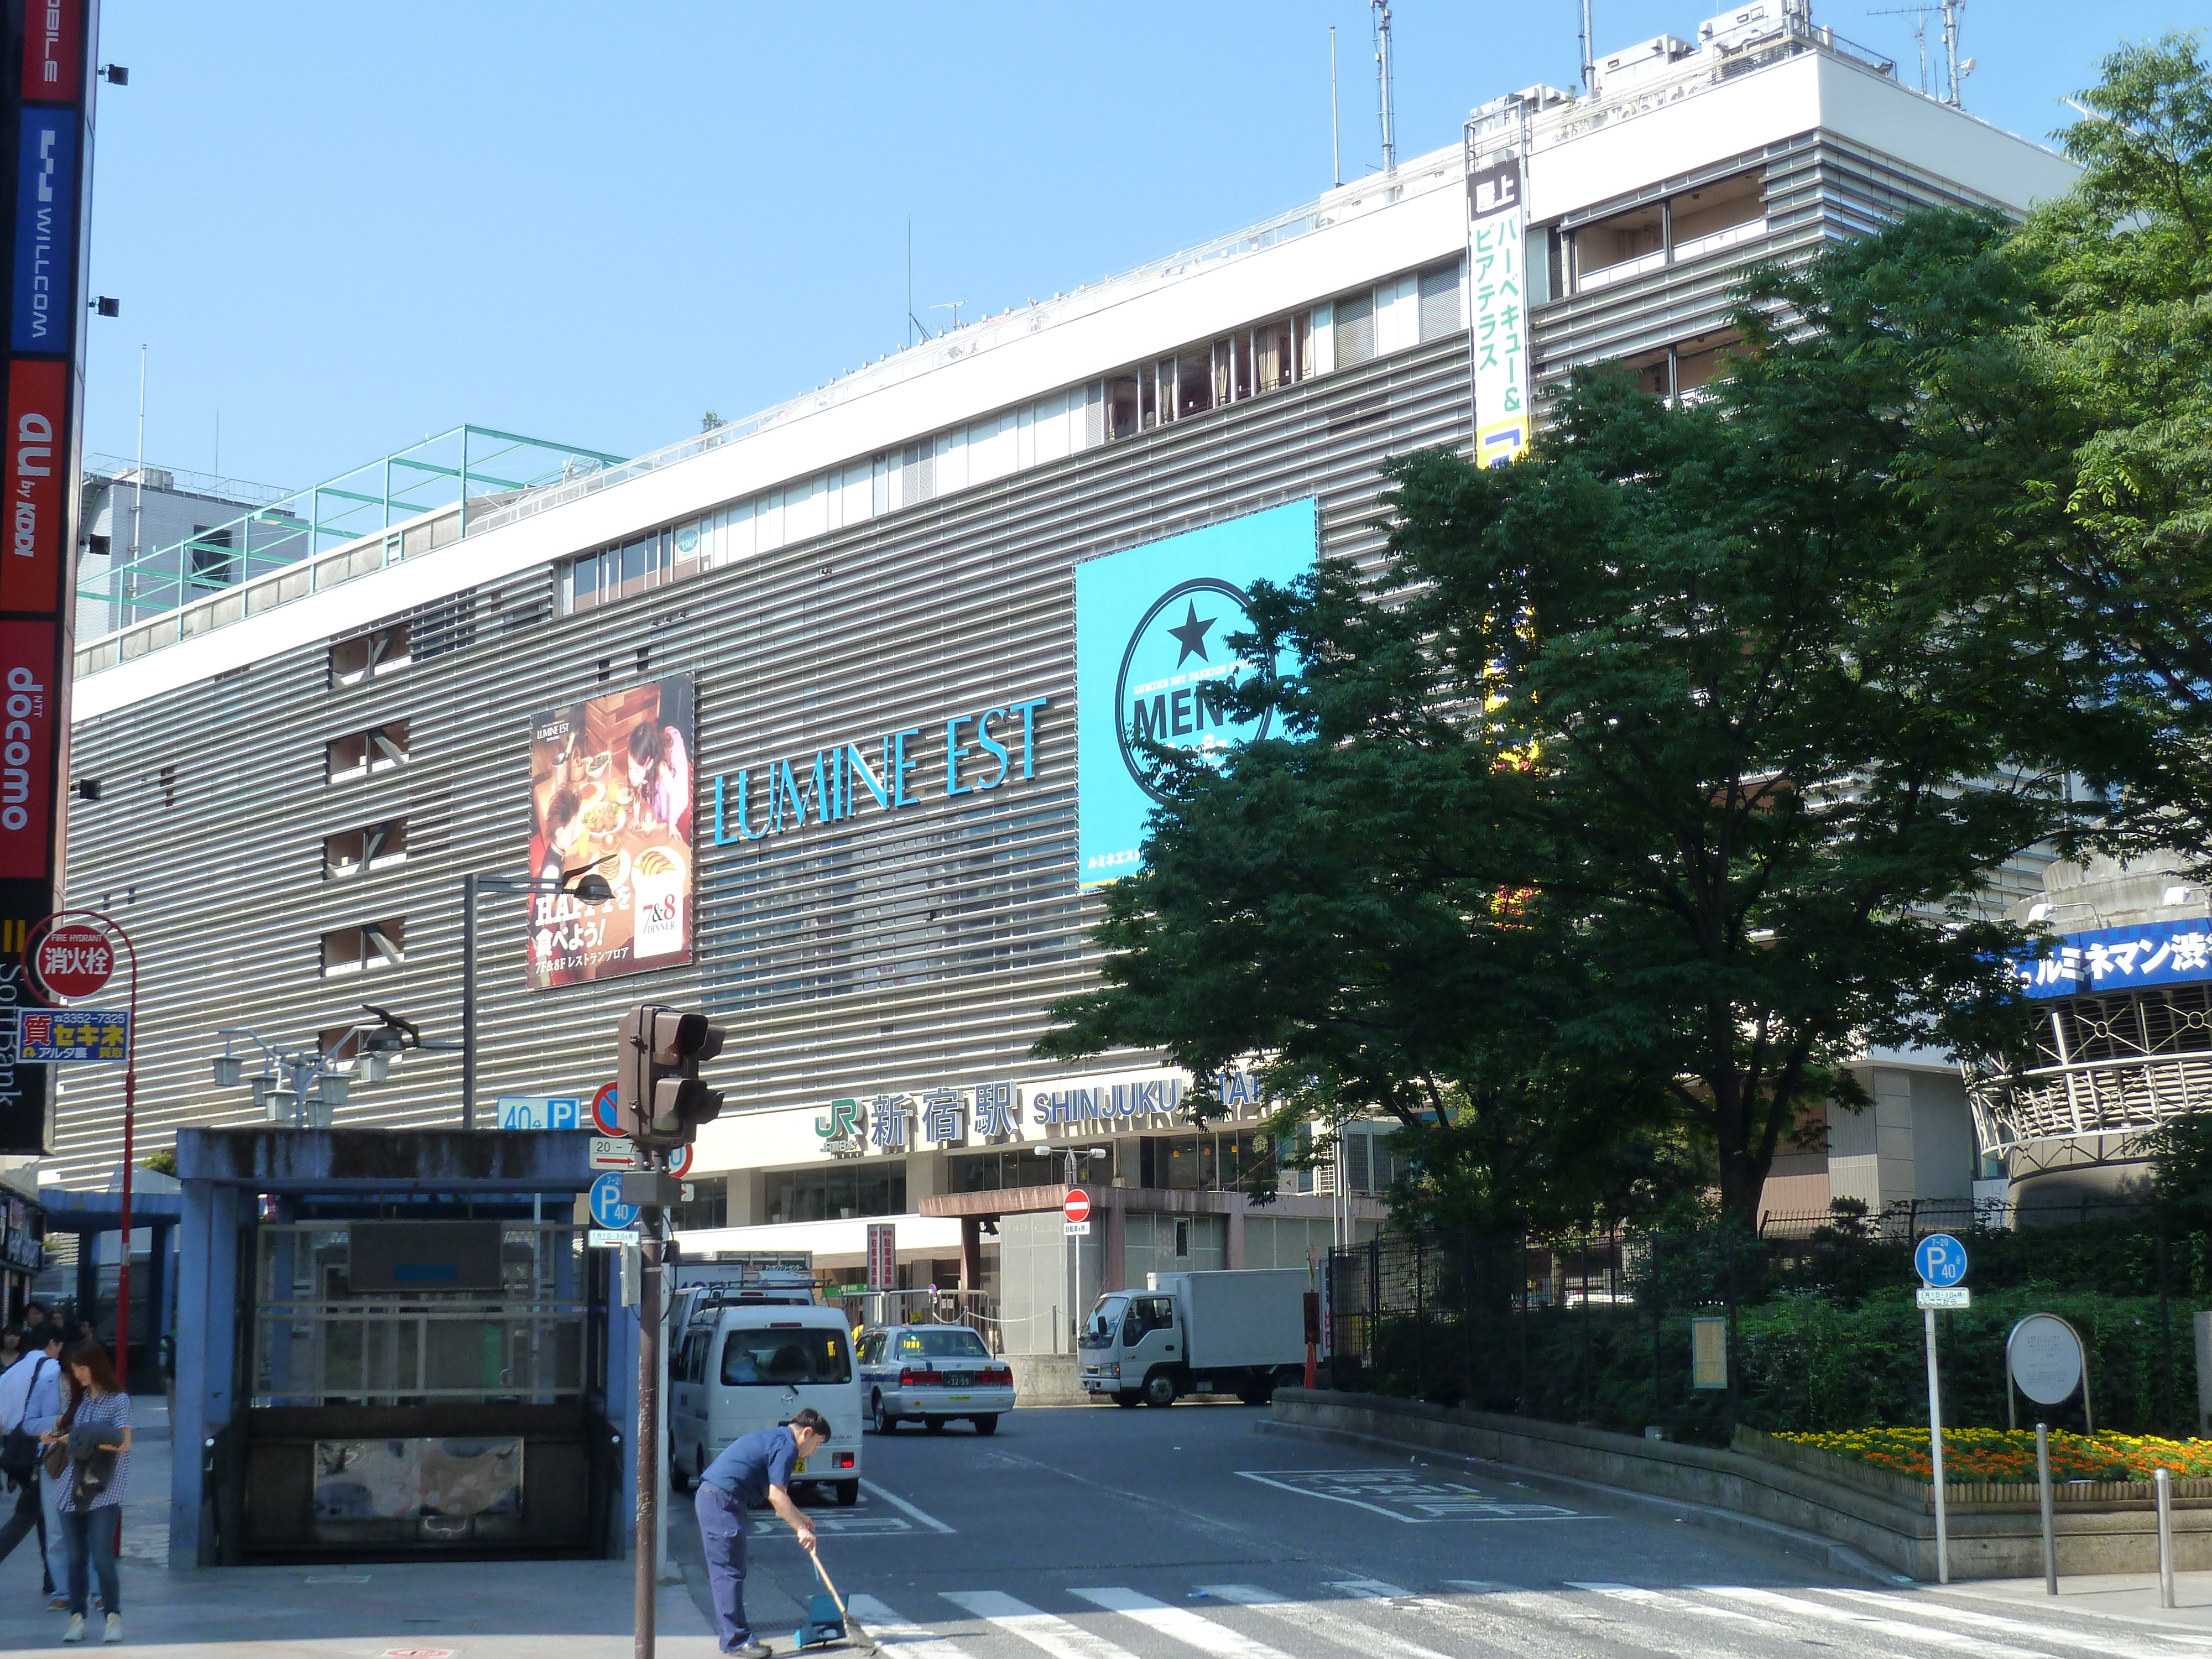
757,1468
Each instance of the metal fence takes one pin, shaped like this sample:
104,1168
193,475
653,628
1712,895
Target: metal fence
1820,1327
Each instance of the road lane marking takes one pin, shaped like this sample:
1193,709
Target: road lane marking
898,1503
1055,1635
1312,1616
1406,1497
1207,1635
1672,1603
1942,1638
915,1640
1930,1607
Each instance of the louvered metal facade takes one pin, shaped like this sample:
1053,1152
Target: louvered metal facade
898,951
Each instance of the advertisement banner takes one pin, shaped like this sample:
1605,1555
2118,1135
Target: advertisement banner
1498,337
1152,664
46,231
28,807
2116,958
610,788
38,410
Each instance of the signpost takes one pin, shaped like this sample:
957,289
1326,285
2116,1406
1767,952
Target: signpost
2045,1360
539,1112
603,1110
1941,1260
1076,1208
883,1256
608,1210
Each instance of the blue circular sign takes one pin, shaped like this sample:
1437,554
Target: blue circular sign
608,1209
1941,1260
1177,672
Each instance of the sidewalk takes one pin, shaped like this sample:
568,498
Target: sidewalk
477,1609
2120,1595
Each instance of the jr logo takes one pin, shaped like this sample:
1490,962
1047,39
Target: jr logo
1177,677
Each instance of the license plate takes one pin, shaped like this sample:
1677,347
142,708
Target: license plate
960,1380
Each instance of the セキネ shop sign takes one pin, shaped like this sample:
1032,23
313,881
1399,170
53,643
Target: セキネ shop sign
967,755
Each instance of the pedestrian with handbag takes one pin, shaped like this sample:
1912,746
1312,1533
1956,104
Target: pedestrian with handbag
30,1398
92,1443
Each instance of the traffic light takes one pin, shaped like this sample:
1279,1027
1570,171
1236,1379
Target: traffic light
660,1099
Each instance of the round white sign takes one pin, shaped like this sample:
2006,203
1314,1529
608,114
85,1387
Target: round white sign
2046,1357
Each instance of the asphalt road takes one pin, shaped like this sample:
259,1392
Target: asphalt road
1154,1535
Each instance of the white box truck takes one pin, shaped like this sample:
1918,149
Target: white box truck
1241,1332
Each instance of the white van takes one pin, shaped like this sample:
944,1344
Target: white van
749,1366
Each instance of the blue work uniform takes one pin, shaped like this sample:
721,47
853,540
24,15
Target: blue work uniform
737,1480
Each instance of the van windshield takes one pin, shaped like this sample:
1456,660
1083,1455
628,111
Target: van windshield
1104,1318
792,1356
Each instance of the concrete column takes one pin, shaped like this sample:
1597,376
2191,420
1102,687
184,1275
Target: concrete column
208,1327
1114,1255
1233,1248
971,1252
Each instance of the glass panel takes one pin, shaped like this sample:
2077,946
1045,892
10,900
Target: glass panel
1195,381
1440,300
635,565
1240,374
786,1358
1121,407
1355,329
1148,397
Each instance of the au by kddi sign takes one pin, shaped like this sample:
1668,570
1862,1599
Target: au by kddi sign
46,130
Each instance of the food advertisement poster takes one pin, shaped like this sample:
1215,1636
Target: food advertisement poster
610,789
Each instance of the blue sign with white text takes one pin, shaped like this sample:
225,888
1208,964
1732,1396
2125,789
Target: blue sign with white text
540,1112
608,1209
1152,665
2113,958
1940,1259
46,230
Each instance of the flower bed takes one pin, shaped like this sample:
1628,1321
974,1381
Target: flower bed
2006,1455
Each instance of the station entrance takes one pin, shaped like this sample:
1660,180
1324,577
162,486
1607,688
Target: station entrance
396,1345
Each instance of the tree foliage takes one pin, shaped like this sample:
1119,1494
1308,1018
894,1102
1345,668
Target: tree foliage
1653,777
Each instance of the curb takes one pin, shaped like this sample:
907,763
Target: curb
1840,1557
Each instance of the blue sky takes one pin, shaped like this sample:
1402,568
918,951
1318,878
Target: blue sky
341,227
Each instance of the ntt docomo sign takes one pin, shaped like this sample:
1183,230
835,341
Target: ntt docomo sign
27,748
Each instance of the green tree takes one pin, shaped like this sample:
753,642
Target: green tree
1647,782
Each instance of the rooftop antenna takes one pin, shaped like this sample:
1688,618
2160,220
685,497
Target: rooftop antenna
1959,71
952,306
1382,10
1335,149
1589,55
910,324
1919,15
138,472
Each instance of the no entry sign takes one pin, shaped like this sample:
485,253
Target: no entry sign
75,961
1077,1207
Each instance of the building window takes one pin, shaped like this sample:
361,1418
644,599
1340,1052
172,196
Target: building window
708,1207
1688,225
213,563
1440,306
379,651
339,1046
379,846
1182,1238
364,754
838,1193
372,944
1355,329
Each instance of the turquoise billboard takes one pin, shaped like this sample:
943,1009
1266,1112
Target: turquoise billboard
1153,664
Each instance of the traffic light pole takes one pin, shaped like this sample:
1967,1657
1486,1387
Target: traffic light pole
649,1470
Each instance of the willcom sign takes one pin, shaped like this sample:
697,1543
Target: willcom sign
1153,669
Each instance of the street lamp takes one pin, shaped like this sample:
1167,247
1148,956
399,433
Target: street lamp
1072,1154
586,884
295,1072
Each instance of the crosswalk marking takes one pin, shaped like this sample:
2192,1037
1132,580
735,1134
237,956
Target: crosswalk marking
1670,1603
1055,1635
1208,1634
1800,1606
913,1641
1313,1616
2088,1642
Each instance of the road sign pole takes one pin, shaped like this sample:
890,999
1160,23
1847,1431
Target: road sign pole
649,1417
2043,1501
1936,1449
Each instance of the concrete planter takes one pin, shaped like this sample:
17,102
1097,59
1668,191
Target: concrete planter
1995,1532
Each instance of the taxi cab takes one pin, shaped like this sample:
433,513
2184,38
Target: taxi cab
934,1372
